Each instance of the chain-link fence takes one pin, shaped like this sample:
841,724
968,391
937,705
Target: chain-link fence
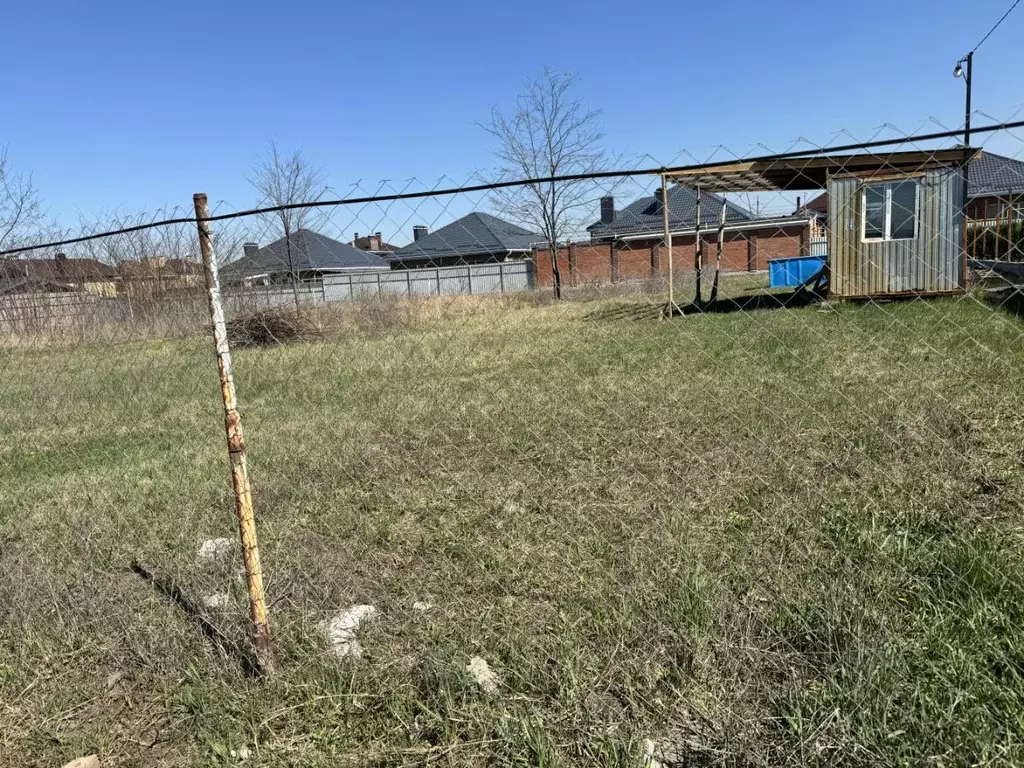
749,491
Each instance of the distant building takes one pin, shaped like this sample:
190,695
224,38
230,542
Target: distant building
374,244
59,274
156,275
476,238
750,240
304,256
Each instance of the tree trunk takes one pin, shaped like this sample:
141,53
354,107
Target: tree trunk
556,275
291,268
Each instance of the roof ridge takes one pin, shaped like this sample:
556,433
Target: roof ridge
484,219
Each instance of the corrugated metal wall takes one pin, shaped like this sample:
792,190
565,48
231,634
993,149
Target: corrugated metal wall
504,277
932,262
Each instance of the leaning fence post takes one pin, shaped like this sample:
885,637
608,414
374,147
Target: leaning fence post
236,448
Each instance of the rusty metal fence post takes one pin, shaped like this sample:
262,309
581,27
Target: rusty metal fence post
236,448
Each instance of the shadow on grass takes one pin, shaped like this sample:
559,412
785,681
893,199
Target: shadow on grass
173,592
1009,300
755,302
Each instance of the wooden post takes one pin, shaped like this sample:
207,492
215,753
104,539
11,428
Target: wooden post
718,252
236,448
1010,215
698,256
995,229
671,308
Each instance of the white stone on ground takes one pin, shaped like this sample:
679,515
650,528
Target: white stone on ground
660,755
212,550
481,671
92,761
341,630
419,605
217,600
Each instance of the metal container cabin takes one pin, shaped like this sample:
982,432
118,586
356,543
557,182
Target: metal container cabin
931,262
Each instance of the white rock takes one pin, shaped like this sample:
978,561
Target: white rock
660,755
481,671
242,754
341,630
512,507
92,761
419,605
217,600
212,550
651,754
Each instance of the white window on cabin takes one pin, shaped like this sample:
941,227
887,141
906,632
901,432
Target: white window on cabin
890,210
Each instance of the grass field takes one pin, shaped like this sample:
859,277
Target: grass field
783,537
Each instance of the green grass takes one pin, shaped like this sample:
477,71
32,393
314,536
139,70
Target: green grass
779,537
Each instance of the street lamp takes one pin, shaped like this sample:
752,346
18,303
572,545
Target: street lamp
958,71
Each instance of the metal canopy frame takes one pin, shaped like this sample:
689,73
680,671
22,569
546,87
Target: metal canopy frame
789,175
811,173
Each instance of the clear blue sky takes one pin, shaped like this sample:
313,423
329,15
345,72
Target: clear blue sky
138,105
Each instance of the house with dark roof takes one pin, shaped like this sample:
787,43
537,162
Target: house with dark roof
157,275
995,187
629,244
476,238
646,215
303,256
57,275
373,243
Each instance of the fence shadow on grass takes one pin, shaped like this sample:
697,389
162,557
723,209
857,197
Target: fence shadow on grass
1009,300
646,310
173,592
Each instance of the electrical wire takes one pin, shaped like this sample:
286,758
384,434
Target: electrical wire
795,154
996,25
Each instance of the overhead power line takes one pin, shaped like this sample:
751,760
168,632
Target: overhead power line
800,153
996,25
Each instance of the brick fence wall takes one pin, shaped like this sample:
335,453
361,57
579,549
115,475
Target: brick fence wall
748,250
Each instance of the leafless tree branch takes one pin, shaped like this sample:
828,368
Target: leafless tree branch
21,208
283,179
549,133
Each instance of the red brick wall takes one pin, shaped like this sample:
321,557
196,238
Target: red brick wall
594,262
635,261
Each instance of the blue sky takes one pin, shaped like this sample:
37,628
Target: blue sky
138,105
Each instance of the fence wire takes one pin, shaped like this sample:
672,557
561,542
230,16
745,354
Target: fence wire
771,517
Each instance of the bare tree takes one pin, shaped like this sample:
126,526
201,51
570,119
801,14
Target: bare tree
285,180
549,133
20,206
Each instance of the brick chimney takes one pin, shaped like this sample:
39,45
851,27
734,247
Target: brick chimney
607,210
250,249
419,231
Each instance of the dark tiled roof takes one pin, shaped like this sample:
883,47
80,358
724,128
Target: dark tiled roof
310,252
645,214
475,234
991,174
56,270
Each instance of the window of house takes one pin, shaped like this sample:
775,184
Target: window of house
890,210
